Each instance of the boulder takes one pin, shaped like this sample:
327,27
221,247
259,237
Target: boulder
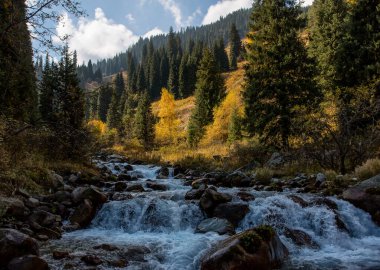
237,179
366,195
107,247
120,186
211,199
197,183
124,177
233,212
275,160
12,207
28,262
300,238
136,188
59,255
128,167
221,226
91,260
156,186
32,202
56,180
62,196
163,173
258,248
15,244
22,192
320,179
90,193
195,194
83,214
43,218
245,196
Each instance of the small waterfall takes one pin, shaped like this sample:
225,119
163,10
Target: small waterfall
171,172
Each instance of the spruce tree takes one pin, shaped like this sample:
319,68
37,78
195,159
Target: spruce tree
144,121
235,45
278,76
234,127
104,100
209,91
49,84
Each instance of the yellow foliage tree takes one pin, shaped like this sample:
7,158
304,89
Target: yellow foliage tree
97,127
217,132
168,127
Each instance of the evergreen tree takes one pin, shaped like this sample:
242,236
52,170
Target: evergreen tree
209,91
49,84
104,100
115,111
221,55
90,71
98,77
278,74
235,45
144,121
173,81
18,95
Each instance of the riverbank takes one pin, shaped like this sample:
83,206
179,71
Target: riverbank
137,216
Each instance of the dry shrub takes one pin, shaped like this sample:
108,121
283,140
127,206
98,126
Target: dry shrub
368,169
263,175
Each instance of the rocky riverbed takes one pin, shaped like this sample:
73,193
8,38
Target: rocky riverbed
148,217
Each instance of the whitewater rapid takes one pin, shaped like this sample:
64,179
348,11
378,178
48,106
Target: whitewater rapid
164,223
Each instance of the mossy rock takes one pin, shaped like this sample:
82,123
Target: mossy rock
251,242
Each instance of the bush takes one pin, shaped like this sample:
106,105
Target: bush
368,169
264,175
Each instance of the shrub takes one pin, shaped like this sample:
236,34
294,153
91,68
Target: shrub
368,169
264,175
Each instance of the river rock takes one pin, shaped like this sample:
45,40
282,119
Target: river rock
91,193
258,248
156,186
245,196
12,207
56,180
59,255
135,188
91,260
320,179
275,160
237,179
124,177
221,226
62,196
128,167
300,238
15,244
120,186
83,214
43,218
197,183
211,199
233,212
32,202
195,194
28,262
163,173
366,195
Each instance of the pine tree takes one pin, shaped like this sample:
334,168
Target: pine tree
18,95
209,91
90,71
279,75
49,84
173,81
144,121
104,101
235,45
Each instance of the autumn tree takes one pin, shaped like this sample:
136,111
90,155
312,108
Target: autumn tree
167,128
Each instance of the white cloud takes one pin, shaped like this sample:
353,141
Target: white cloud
308,2
224,7
174,9
130,17
191,18
95,39
154,32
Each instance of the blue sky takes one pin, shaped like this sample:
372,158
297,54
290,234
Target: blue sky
113,25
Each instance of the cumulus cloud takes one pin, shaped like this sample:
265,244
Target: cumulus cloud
97,38
224,7
154,32
308,2
174,9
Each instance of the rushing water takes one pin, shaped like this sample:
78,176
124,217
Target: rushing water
163,223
